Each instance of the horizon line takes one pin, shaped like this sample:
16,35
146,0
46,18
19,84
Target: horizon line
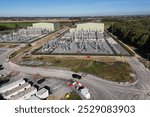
77,16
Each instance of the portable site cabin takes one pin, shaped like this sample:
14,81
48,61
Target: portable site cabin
11,85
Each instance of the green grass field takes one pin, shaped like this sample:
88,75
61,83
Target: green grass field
117,71
14,24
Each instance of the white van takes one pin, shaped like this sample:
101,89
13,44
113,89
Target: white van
85,93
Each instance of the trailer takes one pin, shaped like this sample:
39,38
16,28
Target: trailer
11,85
15,91
25,95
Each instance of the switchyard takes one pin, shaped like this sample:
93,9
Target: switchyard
30,34
25,35
83,42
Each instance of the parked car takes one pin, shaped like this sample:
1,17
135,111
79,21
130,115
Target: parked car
36,86
76,76
26,79
41,81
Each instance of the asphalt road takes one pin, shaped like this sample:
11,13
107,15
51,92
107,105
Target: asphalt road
4,55
143,74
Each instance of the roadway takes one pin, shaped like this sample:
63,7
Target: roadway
143,74
4,55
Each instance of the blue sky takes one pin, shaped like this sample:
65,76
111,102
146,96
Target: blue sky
73,7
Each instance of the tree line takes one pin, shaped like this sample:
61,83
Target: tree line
135,33
2,28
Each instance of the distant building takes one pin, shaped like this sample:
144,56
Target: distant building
89,27
48,26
